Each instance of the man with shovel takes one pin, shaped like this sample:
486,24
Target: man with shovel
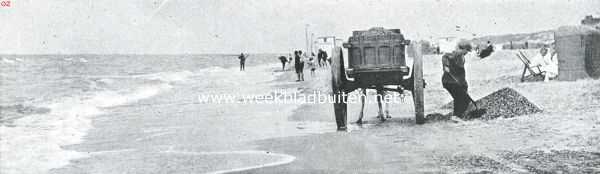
454,80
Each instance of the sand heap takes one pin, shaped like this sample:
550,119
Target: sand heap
506,103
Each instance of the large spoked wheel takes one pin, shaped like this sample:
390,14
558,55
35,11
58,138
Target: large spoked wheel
338,78
418,85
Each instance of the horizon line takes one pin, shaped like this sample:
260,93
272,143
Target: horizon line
42,54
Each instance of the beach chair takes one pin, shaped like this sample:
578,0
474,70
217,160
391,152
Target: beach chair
535,72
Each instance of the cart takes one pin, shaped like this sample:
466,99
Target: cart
376,60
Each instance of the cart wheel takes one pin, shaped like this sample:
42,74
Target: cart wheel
418,84
338,77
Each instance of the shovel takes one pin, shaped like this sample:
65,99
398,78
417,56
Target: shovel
478,112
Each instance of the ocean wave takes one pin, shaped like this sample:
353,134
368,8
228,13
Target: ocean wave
113,98
168,76
11,112
68,118
8,61
105,81
214,69
63,122
75,59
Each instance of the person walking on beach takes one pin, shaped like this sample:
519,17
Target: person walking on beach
299,65
312,66
283,60
454,80
322,56
290,60
242,58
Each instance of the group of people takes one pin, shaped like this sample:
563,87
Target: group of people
548,62
453,78
299,59
322,56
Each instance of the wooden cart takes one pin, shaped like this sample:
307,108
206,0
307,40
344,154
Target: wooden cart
376,60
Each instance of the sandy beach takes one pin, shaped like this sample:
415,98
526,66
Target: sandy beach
213,87
563,138
173,133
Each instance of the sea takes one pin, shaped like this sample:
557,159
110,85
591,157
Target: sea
48,102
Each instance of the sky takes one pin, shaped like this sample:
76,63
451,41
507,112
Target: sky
259,26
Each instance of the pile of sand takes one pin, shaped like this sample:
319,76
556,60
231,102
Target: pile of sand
506,103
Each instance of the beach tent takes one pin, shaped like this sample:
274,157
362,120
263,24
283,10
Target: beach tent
578,52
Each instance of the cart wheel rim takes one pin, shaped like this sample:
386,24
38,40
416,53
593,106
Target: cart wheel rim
418,85
337,69
338,77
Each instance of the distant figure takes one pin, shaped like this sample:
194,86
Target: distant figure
290,59
283,60
322,56
312,66
325,59
299,65
489,49
242,58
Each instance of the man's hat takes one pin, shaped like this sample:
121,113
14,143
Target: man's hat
464,45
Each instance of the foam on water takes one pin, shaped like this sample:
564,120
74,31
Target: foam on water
32,144
8,61
168,76
215,69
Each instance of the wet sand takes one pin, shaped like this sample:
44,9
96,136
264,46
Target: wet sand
174,133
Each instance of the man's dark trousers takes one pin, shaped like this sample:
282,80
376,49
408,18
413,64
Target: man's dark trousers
460,96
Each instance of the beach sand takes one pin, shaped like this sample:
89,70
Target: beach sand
172,133
564,138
